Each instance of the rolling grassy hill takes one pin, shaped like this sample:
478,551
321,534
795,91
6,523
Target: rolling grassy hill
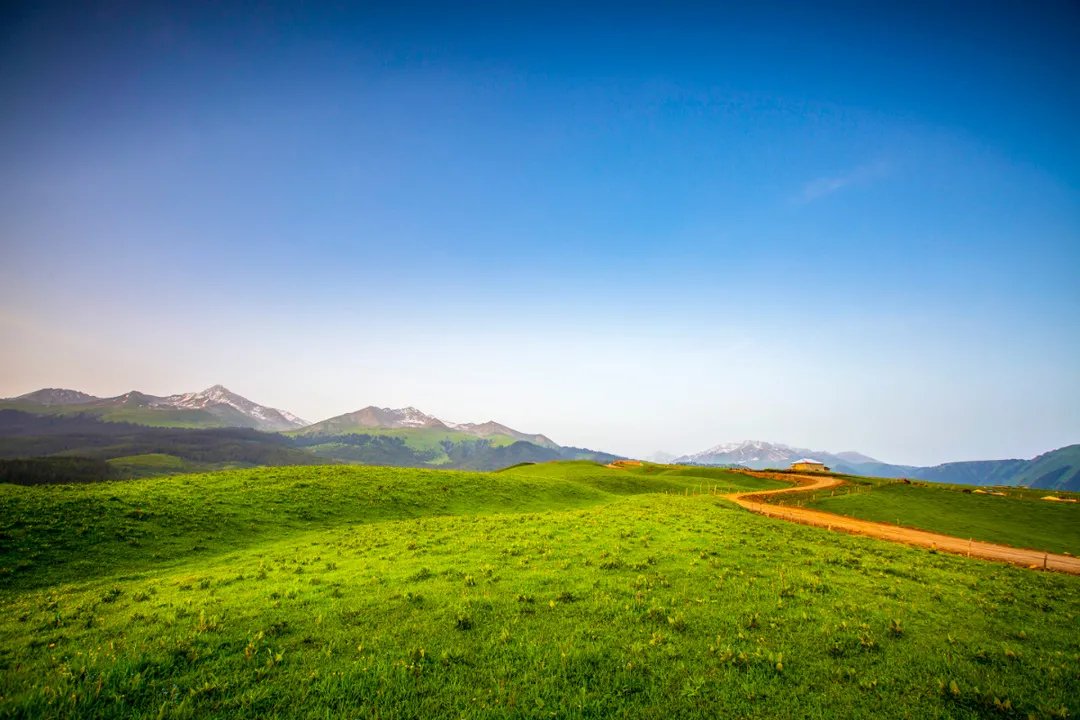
1055,470
1018,516
127,413
135,450
432,447
566,590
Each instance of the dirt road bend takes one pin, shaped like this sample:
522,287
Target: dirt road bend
944,543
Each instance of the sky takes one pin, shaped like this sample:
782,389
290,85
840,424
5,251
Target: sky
632,227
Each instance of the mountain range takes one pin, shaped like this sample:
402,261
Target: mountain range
1058,469
760,454
375,418
410,437
215,406
371,435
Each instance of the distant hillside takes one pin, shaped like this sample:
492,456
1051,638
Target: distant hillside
1055,470
78,447
759,455
55,396
214,407
135,450
430,447
409,437
372,435
371,417
405,448
494,429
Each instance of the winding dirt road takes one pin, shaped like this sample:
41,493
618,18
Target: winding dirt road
945,543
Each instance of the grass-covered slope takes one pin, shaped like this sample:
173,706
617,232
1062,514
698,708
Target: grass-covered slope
434,447
134,450
1056,470
395,446
566,591
132,413
1017,517
28,435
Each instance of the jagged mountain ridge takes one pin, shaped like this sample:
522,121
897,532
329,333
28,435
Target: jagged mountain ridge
224,403
215,406
411,436
760,454
492,428
55,396
1055,470
371,418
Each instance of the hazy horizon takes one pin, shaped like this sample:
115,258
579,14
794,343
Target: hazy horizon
854,228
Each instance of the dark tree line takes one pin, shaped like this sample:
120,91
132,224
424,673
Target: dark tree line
23,435
41,471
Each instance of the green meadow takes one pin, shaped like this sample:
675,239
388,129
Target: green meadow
1017,516
559,590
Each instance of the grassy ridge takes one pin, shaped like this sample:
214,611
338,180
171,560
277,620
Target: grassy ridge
153,417
1020,518
562,590
67,532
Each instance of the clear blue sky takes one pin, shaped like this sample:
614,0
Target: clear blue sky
846,226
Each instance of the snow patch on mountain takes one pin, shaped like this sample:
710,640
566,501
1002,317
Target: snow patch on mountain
758,454
56,396
214,399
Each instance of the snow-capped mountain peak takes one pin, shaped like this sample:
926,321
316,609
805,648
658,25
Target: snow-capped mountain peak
750,453
56,396
381,417
220,400
748,446
223,406
760,454
411,417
